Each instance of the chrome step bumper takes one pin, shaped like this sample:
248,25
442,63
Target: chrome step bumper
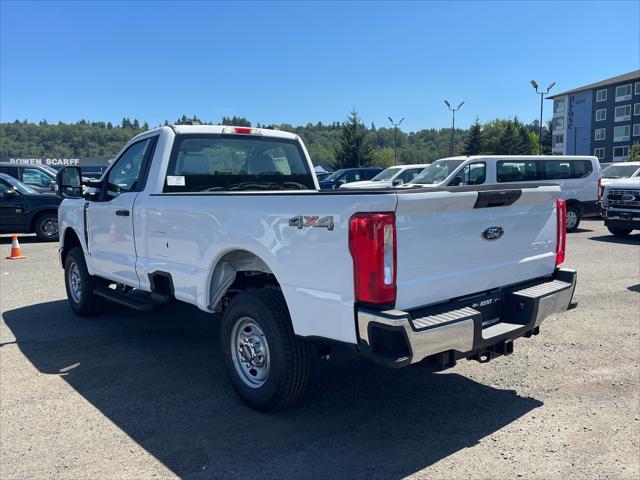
398,338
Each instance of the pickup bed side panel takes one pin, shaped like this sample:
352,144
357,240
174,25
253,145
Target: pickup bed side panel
186,234
442,253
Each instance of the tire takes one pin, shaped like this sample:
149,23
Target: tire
573,218
620,232
85,302
282,361
46,227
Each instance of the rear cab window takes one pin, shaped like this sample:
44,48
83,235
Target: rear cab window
219,162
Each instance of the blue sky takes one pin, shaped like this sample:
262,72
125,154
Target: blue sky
277,62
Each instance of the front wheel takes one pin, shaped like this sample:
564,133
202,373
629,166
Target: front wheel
46,227
573,218
620,232
80,284
267,364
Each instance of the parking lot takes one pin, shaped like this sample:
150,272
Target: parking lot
130,395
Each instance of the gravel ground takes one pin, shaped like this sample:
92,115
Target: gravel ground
128,395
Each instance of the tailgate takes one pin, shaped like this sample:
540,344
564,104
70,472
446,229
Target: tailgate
449,243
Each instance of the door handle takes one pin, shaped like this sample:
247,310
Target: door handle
122,213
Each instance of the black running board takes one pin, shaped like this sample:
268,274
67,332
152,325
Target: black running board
136,300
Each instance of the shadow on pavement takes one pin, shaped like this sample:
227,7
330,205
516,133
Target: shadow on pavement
22,238
160,378
630,240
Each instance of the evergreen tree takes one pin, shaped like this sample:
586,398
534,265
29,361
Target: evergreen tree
473,144
354,149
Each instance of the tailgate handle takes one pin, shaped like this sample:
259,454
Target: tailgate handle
497,198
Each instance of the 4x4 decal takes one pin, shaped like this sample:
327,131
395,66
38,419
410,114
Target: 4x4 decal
302,221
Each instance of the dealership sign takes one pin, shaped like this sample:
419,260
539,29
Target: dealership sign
58,162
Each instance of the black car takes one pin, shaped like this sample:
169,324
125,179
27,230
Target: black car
24,210
348,175
39,177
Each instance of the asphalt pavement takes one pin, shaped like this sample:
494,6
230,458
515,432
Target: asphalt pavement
127,395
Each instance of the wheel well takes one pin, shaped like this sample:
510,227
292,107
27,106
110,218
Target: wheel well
575,204
69,241
235,272
35,218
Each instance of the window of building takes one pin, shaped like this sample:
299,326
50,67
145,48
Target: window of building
601,133
621,133
559,123
636,108
601,114
621,153
558,106
623,113
623,92
601,95
636,129
598,153
558,139
637,88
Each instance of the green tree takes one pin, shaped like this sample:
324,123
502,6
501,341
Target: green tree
634,153
355,148
474,142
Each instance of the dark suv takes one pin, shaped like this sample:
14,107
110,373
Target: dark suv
40,178
348,175
23,210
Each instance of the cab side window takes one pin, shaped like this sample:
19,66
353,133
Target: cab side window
125,175
35,177
472,174
3,188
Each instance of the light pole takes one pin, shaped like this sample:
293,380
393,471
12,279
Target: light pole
453,125
542,94
395,139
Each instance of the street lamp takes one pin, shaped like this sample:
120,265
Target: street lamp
395,139
542,94
453,125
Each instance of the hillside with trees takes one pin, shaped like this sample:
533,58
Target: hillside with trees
336,145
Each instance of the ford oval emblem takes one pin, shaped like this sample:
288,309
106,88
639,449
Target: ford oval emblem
493,233
628,198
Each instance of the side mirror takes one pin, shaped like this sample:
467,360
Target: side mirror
342,181
52,185
398,181
456,182
69,183
10,193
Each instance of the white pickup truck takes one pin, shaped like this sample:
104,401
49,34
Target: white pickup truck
230,219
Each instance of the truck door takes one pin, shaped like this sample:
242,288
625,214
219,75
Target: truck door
112,249
12,209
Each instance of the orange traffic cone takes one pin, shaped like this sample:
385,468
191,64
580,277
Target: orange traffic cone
16,252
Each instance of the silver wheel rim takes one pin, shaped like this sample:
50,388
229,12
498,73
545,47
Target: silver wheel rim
75,283
572,219
250,352
50,227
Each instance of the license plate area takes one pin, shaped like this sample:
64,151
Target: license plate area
490,307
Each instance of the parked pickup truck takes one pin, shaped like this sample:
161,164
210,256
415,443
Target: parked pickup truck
621,206
231,219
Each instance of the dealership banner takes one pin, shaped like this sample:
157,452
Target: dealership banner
58,162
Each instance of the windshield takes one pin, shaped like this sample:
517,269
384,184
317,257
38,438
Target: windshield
17,185
386,174
49,169
334,176
619,171
437,171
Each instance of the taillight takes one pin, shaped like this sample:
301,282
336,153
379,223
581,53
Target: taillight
372,243
599,189
561,235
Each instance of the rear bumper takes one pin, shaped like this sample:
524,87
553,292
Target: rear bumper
446,333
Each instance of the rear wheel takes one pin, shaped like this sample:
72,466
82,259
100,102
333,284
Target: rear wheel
80,285
46,227
620,232
267,364
573,218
